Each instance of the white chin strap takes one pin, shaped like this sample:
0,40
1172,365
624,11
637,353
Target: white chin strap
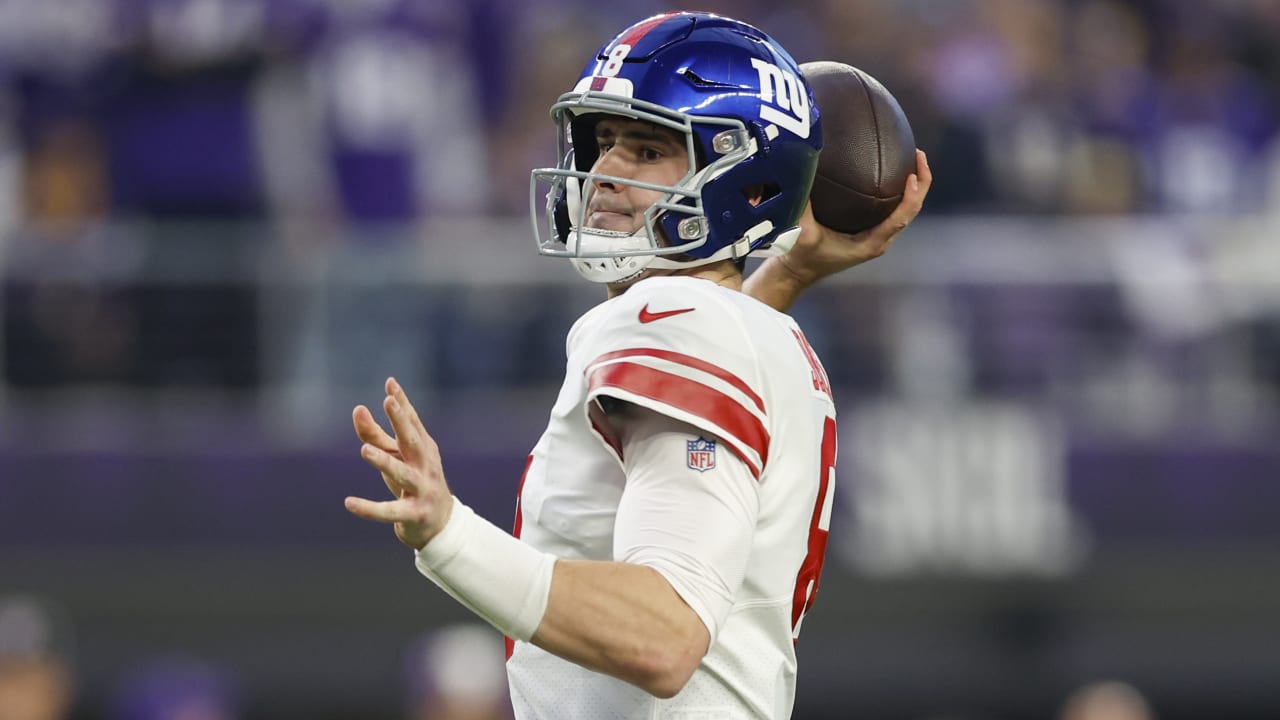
608,269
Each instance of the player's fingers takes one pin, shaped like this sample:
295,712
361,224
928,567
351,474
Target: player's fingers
924,174
427,453
391,511
368,430
394,389
899,219
918,184
397,475
408,439
393,486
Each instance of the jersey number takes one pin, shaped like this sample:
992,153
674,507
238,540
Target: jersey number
811,569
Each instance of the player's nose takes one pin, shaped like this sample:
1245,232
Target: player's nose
607,166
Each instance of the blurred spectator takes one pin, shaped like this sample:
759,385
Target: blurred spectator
1111,92
178,688
176,109
457,673
1106,701
66,184
1213,116
374,121
35,662
371,128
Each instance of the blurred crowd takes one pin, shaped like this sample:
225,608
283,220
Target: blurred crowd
325,113
153,153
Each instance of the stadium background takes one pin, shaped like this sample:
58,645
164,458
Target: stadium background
223,222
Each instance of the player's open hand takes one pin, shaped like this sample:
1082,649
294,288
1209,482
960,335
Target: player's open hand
410,467
821,251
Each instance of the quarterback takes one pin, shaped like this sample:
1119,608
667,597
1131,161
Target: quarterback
672,519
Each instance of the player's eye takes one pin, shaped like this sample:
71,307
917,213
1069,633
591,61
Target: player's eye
651,154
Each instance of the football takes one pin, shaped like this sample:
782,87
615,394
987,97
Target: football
868,149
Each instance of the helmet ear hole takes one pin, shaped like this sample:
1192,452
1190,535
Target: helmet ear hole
759,193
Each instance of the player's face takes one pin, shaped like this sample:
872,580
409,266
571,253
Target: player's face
635,150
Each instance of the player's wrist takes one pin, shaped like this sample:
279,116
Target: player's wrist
445,537
419,540
504,581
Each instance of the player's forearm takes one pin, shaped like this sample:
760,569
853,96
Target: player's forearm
622,620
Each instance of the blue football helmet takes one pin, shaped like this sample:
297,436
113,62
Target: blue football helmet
749,123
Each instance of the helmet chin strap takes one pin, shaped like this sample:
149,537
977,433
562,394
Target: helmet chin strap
608,269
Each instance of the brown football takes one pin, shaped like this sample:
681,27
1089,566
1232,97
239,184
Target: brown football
868,149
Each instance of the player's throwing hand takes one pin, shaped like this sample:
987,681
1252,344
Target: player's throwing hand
823,251
410,467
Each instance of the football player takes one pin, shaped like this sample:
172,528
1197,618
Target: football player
672,520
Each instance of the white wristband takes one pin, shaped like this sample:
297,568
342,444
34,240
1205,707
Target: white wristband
504,581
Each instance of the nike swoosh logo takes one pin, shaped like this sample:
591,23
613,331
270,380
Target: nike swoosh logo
648,317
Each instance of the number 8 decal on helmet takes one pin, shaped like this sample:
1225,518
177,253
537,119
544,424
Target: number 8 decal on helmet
616,56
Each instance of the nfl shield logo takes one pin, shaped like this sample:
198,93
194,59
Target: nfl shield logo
702,454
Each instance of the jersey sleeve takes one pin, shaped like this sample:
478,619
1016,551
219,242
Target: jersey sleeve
693,525
683,352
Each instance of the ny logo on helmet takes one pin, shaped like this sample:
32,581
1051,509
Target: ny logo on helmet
784,90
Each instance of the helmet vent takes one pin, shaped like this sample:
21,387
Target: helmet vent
700,81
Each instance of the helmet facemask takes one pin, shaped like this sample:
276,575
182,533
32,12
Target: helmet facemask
674,226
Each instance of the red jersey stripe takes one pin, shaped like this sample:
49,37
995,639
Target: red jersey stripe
519,521
687,360
515,530
692,397
637,32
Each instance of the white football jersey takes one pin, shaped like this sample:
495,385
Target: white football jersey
744,376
